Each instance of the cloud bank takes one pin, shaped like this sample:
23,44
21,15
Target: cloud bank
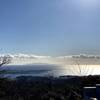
19,59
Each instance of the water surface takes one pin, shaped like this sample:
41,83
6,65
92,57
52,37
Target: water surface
47,70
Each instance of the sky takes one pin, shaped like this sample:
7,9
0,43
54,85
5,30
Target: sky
50,27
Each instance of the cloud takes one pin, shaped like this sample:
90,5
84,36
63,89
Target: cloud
59,60
84,56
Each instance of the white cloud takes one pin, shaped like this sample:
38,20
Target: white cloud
60,60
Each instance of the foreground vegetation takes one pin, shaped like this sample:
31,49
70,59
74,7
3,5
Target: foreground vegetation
45,88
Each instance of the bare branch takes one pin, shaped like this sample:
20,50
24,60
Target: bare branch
5,60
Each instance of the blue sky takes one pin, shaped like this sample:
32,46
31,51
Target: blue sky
50,27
